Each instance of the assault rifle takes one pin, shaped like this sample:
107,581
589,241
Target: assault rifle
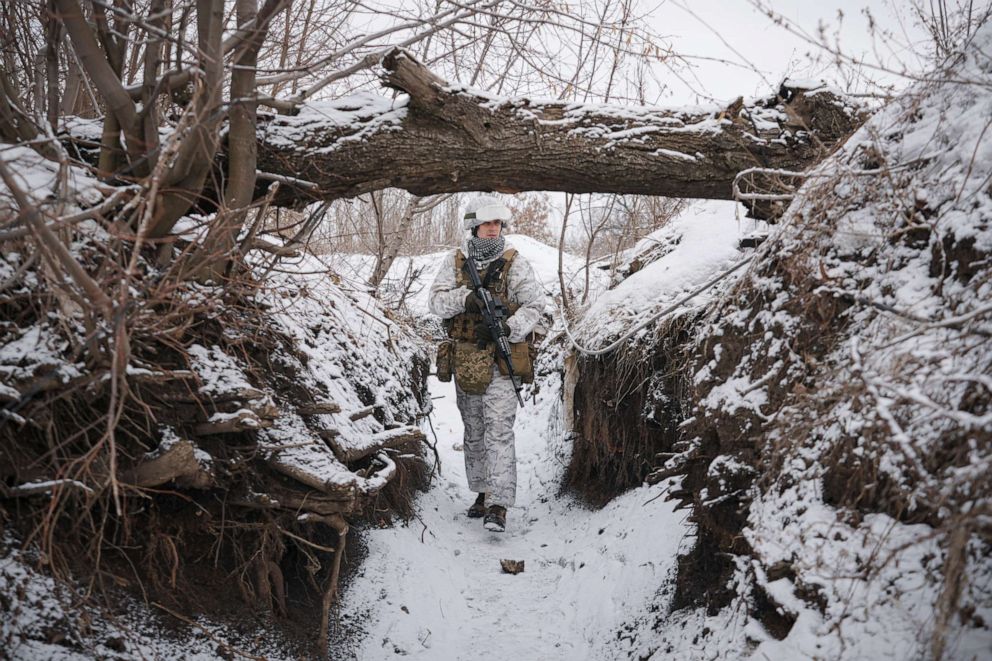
494,313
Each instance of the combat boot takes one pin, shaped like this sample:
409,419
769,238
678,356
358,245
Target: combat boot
478,508
495,518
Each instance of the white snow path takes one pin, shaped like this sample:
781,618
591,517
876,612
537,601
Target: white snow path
434,589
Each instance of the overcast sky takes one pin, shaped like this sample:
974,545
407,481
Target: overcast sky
718,28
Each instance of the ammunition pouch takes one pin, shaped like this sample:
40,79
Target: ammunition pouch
473,367
523,355
445,360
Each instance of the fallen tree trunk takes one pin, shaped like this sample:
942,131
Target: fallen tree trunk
448,139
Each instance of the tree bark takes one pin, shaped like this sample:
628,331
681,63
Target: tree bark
103,68
183,183
218,245
152,60
232,423
53,36
449,139
318,408
15,124
241,136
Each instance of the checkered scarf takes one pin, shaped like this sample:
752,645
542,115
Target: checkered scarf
484,250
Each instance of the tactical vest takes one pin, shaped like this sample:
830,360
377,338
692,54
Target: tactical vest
493,276
470,363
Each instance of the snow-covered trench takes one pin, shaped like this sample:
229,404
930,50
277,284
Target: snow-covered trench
434,589
597,584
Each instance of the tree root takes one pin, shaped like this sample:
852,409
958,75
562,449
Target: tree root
337,522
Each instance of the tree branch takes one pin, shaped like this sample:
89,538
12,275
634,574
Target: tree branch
100,71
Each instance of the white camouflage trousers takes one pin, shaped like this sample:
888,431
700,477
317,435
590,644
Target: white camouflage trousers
490,455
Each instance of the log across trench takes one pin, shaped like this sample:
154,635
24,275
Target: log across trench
442,138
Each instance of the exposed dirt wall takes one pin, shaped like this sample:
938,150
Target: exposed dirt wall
627,407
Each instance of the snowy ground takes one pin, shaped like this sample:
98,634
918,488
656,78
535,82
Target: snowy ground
434,589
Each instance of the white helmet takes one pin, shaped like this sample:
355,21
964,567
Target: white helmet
484,208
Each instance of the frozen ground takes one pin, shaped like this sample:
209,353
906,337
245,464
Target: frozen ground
434,589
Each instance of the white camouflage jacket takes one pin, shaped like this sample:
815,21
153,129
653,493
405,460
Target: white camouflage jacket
447,299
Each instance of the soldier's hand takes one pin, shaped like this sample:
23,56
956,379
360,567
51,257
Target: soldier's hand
473,303
482,333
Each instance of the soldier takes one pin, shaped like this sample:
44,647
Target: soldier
485,394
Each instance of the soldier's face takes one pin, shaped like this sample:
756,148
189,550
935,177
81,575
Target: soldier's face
490,229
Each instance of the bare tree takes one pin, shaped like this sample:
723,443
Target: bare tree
390,247
531,217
